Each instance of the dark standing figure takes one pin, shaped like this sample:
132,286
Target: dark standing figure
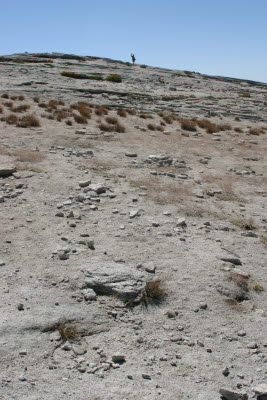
133,58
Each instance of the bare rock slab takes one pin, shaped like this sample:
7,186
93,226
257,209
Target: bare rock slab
112,278
6,170
232,395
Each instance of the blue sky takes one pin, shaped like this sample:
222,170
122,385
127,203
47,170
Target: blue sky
221,37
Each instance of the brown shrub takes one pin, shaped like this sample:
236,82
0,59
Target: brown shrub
106,128
36,99
131,111
188,125
255,131
5,96
8,104
69,122
80,119
26,155
14,97
42,105
61,115
153,293
11,119
21,97
112,120
101,110
151,127
29,121
22,108
238,130
68,332
122,112
1,110
159,128
168,119
119,128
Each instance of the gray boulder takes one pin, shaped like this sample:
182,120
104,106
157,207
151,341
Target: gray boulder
112,278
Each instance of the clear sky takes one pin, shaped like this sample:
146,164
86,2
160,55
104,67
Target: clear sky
220,37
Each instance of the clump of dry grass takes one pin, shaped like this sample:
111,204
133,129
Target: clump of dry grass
238,130
5,96
36,99
1,110
258,288
68,331
119,128
112,120
106,128
122,112
168,118
101,110
255,131
243,224
154,292
29,121
151,127
21,97
79,119
188,125
26,155
69,122
14,97
22,108
11,119
211,127
131,111
8,104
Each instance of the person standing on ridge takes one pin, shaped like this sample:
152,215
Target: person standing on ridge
133,58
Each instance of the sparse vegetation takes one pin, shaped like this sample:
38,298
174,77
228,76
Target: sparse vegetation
5,96
114,78
29,121
26,155
154,292
68,331
258,288
112,120
11,119
81,76
22,108
243,224
122,112
188,125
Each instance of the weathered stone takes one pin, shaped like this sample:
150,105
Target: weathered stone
6,170
110,277
98,188
231,395
232,260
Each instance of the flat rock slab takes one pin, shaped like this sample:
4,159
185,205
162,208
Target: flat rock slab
6,170
112,278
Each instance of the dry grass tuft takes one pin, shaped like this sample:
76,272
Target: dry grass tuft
188,125
112,120
5,96
11,119
22,108
26,155
151,127
106,128
114,78
68,332
131,111
154,292
21,97
79,119
122,112
1,110
258,288
255,131
101,110
238,130
29,121
168,118
8,104
243,224
36,99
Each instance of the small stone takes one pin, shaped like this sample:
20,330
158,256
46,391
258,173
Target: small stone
203,306
84,183
146,376
118,358
131,154
2,263
150,267
171,314
91,244
181,222
135,213
89,294
231,395
22,378
59,214
226,371
6,170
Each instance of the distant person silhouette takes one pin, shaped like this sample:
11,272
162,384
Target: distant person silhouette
133,58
